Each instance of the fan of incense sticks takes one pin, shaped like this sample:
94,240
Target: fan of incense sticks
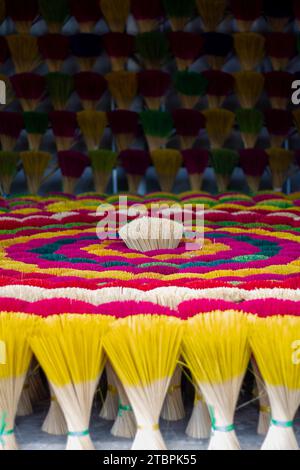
54,49
250,122
60,87
224,162
173,409
167,163
36,125
253,162
152,48
280,161
196,162
249,87
278,87
157,126
35,165
8,169
119,47
217,48
86,13
124,126
220,85
11,125
278,13
190,87
55,13
22,13
212,13
219,124
103,162
72,165
135,163
24,52
186,48
246,13
116,13
179,13
188,123
281,48
123,87
86,47
90,87
278,123
146,14
153,85
29,89
92,125
250,49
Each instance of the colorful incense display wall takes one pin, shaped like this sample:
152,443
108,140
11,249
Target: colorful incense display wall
161,77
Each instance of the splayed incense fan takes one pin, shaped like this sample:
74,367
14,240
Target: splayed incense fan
151,233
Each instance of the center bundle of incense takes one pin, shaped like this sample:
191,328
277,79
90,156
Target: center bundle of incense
188,123
250,122
60,86
146,14
29,89
153,85
278,13
64,126
54,49
119,47
72,165
179,13
157,126
246,13
124,126
135,163
92,125
278,87
250,49
249,87
190,87
212,13
281,48
116,13
8,169
217,47
103,162
36,125
280,161
196,162
22,13
86,47
186,48
219,124
90,87
55,13
11,125
167,163
35,165
278,123
220,85
152,48
253,163
123,87
24,52
224,162
86,13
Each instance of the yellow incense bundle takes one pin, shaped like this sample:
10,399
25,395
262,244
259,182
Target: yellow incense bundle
249,87
92,125
143,350
115,13
211,12
24,51
35,165
250,49
280,161
167,163
219,124
123,87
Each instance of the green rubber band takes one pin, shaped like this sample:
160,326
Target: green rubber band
282,424
3,431
122,408
79,433
214,427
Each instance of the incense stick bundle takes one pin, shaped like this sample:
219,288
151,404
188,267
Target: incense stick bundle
60,87
216,349
157,126
253,162
196,162
281,48
92,125
125,422
186,48
8,169
86,47
64,127
280,161
188,123
278,87
153,85
123,87
103,162
73,377
250,49
173,408
11,125
199,425
109,410
24,405
55,422
36,125
220,85
119,47
152,48
278,123
212,13
116,13
29,89
15,329
124,126
219,124
249,87
146,14
224,162
179,13
217,47
35,165
135,163
246,13
250,122
24,52
86,13
190,87
22,14
72,165
55,13
167,163
278,14
149,345
90,87
54,49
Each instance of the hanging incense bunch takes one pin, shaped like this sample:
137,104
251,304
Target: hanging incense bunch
8,169
35,165
135,163
173,409
29,89
196,162
86,13
278,123
224,162
36,125
152,48
278,13
281,48
119,47
167,163
86,47
54,49
246,13
22,13
116,13
92,125
278,87
220,85
217,47
249,87
190,87
253,162
24,52
186,48
280,161
103,162
72,165
179,13
55,13
124,126
153,85
188,123
219,124
212,13
250,49
90,87
123,87
146,14
60,87
157,126
11,125
64,126
250,122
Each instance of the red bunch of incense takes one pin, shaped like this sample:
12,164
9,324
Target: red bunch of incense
54,49
29,89
130,307
72,165
124,125
281,48
22,13
11,125
90,87
278,86
253,163
220,85
186,48
147,14
279,123
269,307
135,163
64,127
188,123
119,47
196,162
87,13
191,308
246,12
153,85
